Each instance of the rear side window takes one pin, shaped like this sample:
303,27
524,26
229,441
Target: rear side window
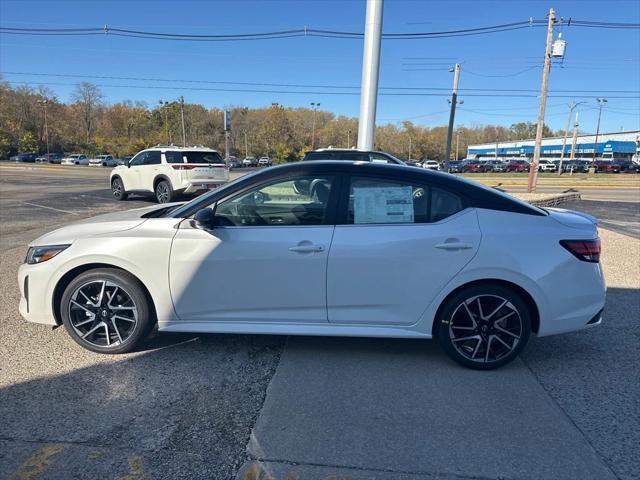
173,157
203,157
380,201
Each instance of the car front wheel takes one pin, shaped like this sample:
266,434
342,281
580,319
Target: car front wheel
106,311
484,326
117,189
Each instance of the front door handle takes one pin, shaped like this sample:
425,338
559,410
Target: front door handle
454,246
306,248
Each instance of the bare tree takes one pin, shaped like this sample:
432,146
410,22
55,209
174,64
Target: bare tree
89,99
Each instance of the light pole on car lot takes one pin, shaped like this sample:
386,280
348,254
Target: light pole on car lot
314,106
184,134
601,102
452,114
164,105
44,102
572,106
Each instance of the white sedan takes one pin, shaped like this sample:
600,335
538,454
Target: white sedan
376,251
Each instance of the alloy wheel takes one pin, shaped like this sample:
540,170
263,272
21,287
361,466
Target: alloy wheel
162,192
103,313
116,188
485,328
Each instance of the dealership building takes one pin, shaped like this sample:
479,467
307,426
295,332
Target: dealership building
618,146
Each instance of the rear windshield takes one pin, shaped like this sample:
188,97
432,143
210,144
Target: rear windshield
193,157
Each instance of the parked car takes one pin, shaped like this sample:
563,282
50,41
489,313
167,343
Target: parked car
517,166
123,160
493,166
604,166
168,171
75,159
547,166
351,154
111,279
102,161
456,166
430,165
580,166
264,162
412,163
473,166
49,158
24,157
234,163
627,166
249,162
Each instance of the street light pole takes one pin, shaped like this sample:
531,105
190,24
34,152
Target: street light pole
452,114
409,147
574,140
457,143
184,134
370,74
165,106
314,106
601,102
246,145
572,105
348,138
533,169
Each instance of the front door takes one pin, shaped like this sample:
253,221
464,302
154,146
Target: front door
264,261
400,246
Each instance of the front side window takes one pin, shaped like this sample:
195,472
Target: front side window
138,159
280,203
380,201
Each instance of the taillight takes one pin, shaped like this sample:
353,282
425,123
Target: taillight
585,250
183,167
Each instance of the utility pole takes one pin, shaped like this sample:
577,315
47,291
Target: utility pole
348,138
574,140
601,102
314,106
572,105
533,169
227,127
184,134
370,74
452,114
44,104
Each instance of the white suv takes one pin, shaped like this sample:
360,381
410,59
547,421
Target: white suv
168,171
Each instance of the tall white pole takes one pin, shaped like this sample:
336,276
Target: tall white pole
572,105
370,74
574,140
452,115
533,170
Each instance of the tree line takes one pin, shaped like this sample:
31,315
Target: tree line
88,124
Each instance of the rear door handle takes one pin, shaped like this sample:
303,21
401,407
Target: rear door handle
309,248
454,246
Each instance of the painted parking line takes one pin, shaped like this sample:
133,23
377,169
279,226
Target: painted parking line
37,463
50,208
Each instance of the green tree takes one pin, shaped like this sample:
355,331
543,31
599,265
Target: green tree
5,145
527,131
28,143
282,154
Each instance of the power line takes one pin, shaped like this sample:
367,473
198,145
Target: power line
297,85
308,32
307,92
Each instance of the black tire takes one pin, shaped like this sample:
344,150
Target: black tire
454,324
117,189
164,192
118,336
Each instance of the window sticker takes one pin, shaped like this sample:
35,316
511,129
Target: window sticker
383,205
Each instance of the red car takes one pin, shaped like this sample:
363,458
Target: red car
603,166
517,166
473,167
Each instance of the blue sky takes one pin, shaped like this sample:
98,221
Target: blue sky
597,59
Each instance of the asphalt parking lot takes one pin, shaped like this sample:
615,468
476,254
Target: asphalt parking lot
252,407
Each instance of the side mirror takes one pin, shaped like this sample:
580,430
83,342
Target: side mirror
205,218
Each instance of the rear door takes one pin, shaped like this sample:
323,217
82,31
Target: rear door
400,243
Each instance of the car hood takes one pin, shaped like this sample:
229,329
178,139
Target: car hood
573,219
99,225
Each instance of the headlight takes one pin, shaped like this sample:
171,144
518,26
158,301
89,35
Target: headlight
42,254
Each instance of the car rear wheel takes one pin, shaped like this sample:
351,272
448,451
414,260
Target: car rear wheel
106,311
484,326
164,192
117,189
